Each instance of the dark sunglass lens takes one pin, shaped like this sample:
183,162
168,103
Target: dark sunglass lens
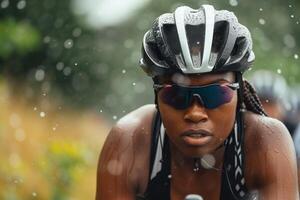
216,95
175,96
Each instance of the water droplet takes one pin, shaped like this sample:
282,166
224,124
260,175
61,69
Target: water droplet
54,128
292,16
4,3
123,71
169,176
67,71
296,56
101,111
114,167
47,39
262,21
76,64
35,108
68,44
14,160
233,2
39,75
76,32
42,114
15,120
21,4
261,9
60,66
290,6
133,84
115,117
34,194
20,135
208,161
279,71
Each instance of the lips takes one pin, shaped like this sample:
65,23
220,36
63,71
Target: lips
196,137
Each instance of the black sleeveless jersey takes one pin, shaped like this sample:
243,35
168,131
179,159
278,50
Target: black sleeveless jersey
233,182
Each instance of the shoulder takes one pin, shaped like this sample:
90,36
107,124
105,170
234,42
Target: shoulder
269,149
131,131
126,146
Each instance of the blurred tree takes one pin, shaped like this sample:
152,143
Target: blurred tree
55,54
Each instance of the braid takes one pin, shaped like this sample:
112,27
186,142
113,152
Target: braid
251,99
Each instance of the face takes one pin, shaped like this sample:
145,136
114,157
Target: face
196,130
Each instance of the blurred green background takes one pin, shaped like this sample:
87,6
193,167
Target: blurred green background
69,69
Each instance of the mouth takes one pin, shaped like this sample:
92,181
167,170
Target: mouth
196,137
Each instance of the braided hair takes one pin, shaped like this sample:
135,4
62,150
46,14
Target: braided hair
251,99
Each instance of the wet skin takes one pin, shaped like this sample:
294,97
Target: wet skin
269,154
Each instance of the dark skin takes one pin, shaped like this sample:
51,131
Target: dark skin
269,154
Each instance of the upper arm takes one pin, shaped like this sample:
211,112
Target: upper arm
123,164
273,161
114,176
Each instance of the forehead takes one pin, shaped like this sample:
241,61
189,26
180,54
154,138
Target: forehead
198,79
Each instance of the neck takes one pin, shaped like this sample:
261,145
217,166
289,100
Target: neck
209,162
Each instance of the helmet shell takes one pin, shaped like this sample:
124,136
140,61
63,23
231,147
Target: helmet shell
199,41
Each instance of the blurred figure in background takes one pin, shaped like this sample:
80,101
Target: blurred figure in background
292,117
272,90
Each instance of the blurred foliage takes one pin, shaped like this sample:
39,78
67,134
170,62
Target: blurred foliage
45,49
47,157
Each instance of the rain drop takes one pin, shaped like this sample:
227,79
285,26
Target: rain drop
101,111
76,32
261,9
59,66
15,120
114,167
208,161
123,71
39,75
20,135
67,71
279,71
21,4
296,56
292,16
233,2
42,114
133,84
47,39
68,44
262,21
4,3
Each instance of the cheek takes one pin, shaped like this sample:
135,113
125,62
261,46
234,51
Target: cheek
171,117
223,118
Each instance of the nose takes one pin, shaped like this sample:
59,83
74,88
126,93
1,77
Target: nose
196,112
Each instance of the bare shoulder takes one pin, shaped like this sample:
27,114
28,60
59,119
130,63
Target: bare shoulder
122,158
269,151
265,131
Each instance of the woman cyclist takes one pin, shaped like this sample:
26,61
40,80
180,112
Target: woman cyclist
207,133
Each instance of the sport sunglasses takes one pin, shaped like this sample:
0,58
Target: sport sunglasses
211,96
